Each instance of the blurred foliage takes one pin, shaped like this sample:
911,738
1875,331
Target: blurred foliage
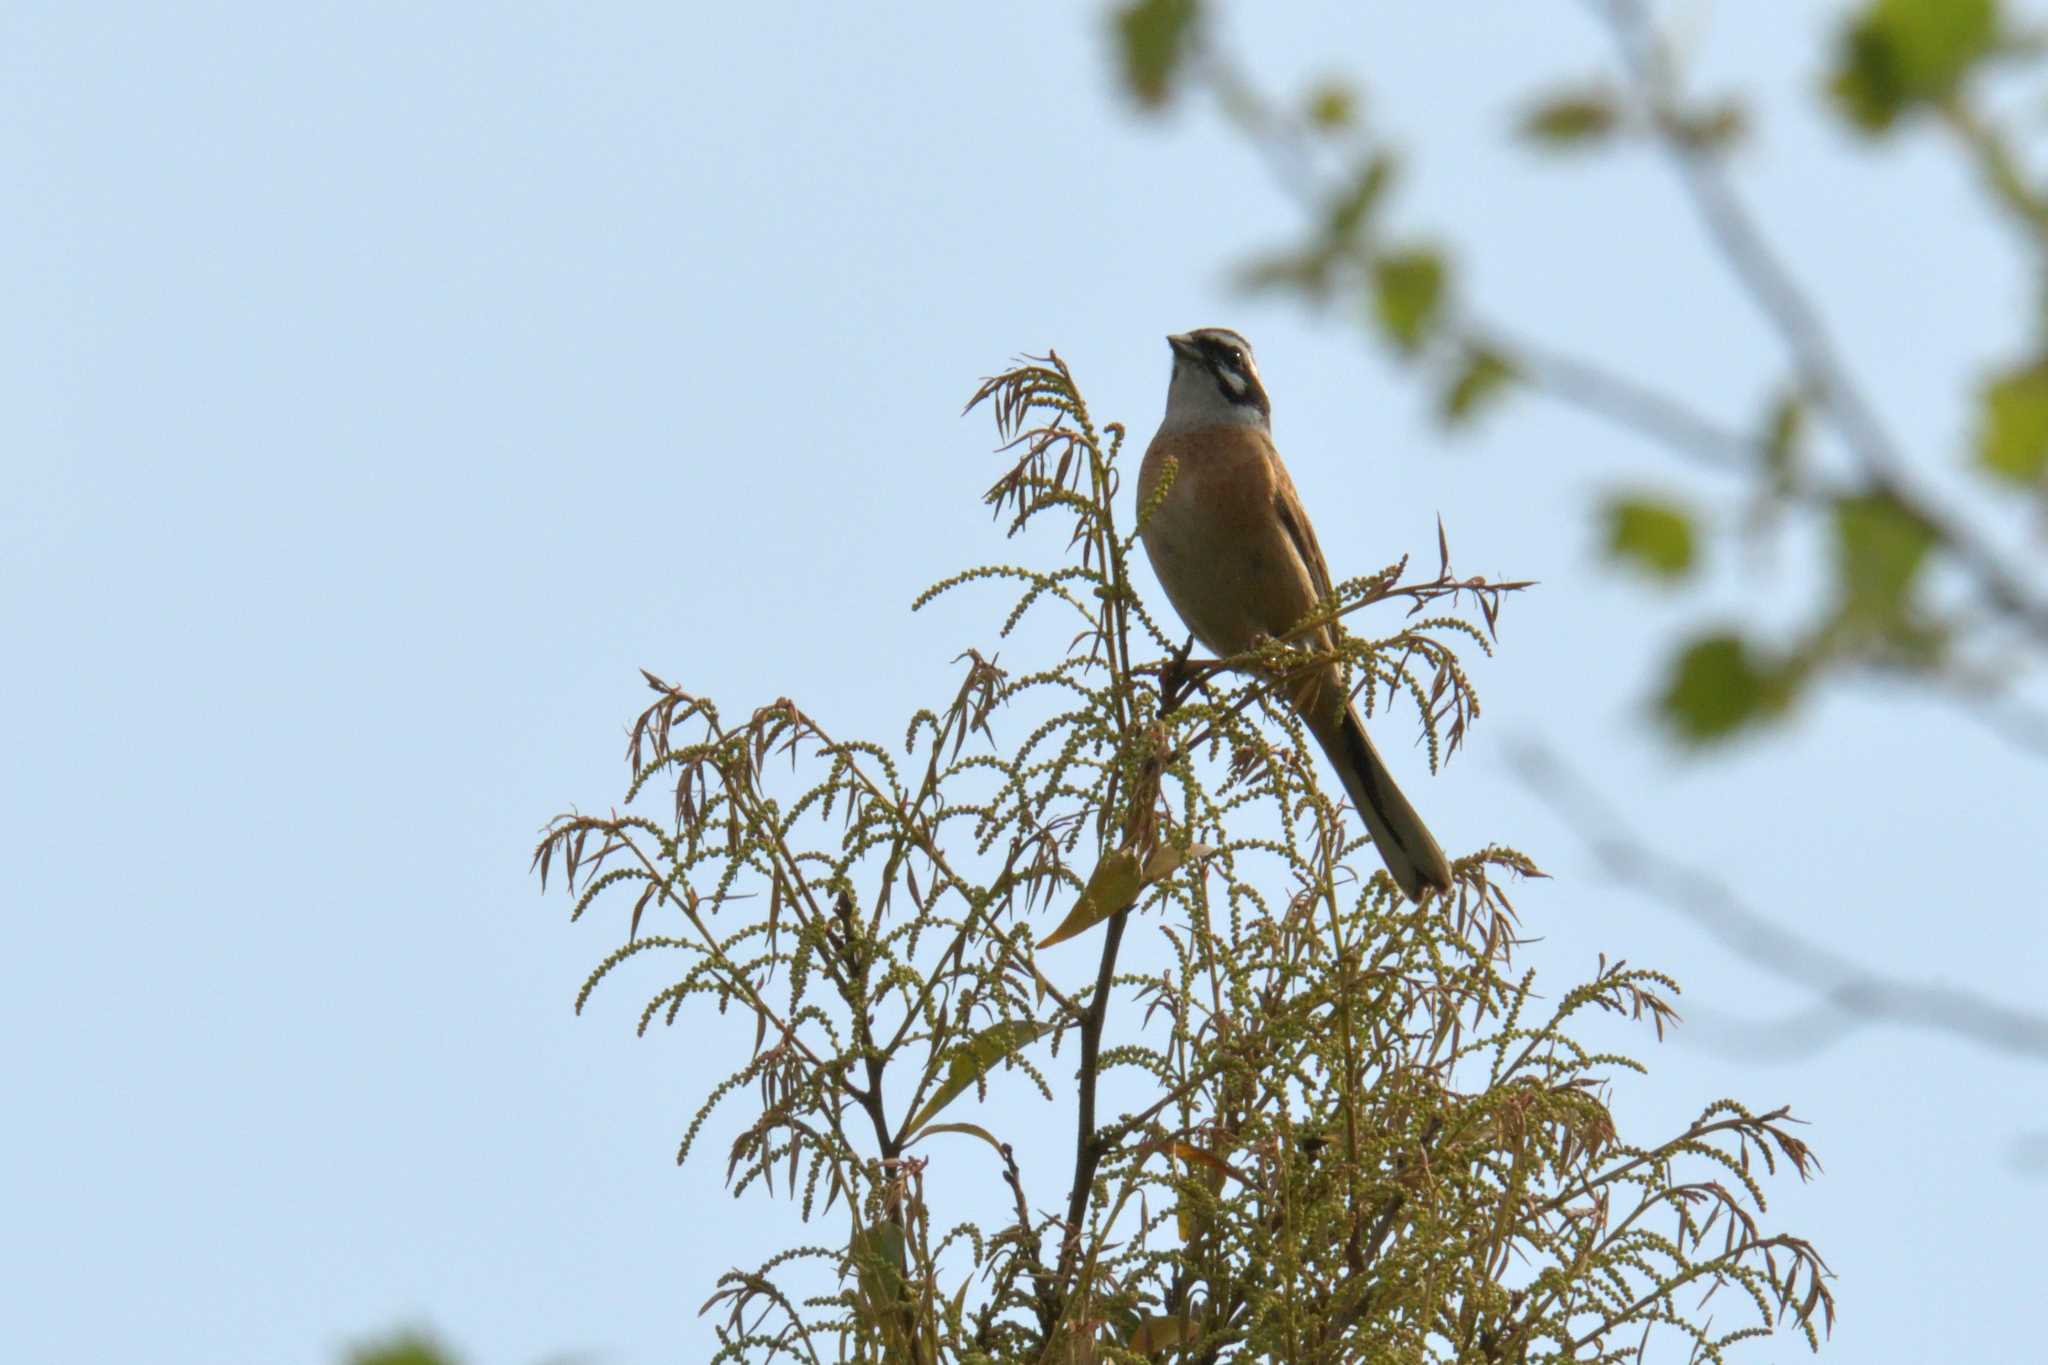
1154,36
1651,533
1718,685
1572,119
1880,552
1478,377
404,1348
1901,54
1356,1129
1408,294
2012,445
1919,588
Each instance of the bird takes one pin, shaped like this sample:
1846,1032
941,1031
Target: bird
1232,546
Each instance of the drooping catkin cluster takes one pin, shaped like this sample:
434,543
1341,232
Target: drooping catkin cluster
1352,1138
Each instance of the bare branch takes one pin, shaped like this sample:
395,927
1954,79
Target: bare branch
1799,324
1849,991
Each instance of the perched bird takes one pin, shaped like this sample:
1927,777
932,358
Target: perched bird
1236,554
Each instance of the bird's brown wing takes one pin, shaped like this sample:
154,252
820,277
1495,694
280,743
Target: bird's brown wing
1287,503
1321,699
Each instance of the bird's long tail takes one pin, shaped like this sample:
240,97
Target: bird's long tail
1410,851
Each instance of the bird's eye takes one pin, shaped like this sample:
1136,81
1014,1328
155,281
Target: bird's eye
1237,357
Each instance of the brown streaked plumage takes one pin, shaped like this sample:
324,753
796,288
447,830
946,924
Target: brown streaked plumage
1238,558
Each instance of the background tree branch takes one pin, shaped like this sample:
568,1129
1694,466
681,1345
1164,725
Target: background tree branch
1851,994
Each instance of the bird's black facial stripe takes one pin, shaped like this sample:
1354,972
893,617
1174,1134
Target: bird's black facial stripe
1227,360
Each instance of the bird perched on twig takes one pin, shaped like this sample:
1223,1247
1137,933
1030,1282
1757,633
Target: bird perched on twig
1236,554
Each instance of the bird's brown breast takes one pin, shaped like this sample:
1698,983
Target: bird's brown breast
1217,541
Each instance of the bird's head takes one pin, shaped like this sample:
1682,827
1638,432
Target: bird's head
1215,382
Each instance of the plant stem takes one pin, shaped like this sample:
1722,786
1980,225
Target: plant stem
1087,1147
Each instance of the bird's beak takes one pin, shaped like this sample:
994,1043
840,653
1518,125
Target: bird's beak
1182,344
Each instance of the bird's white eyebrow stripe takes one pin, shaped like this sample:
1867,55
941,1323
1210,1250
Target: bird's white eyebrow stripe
1227,350
1229,358
1224,336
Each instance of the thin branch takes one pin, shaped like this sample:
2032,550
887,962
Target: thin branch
1846,987
2014,721
1799,325
1627,402
2001,170
1088,1143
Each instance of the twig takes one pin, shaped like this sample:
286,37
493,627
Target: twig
1798,323
2015,722
1087,1142
1630,403
1847,988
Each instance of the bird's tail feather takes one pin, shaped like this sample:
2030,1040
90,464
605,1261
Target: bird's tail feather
1410,851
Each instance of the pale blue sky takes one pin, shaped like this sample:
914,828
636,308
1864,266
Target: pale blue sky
382,386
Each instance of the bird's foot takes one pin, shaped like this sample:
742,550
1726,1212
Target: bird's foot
1176,680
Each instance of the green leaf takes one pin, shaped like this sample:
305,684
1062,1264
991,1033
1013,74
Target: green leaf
1717,686
965,1129
1782,430
1897,54
1113,885
1573,119
1779,444
1332,106
878,1253
1156,1333
1306,272
1181,1150
1355,206
406,1349
1653,535
970,1061
1116,883
1714,127
1879,549
959,1305
1482,375
2012,435
1408,290
1154,35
